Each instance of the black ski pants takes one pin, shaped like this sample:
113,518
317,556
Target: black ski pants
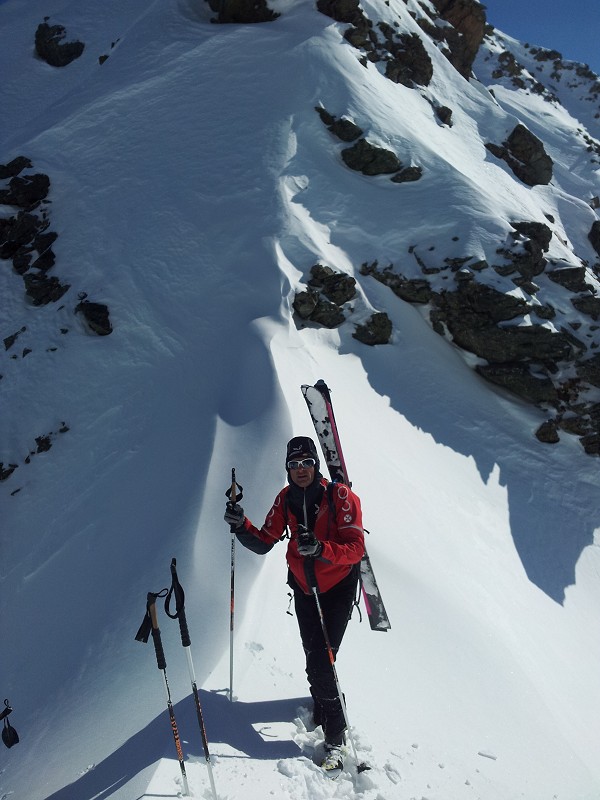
336,605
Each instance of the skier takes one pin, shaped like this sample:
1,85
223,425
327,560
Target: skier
326,544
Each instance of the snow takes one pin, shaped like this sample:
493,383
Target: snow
193,186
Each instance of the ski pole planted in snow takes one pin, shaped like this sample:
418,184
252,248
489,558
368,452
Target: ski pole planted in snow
150,625
360,766
177,590
234,497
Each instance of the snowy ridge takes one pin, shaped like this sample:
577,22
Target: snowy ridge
193,186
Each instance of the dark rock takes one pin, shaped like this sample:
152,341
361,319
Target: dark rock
588,304
409,62
13,167
591,444
327,314
305,303
408,175
44,443
341,10
477,306
242,11
377,330
515,343
345,130
411,290
525,155
465,37
43,289
547,432
10,340
25,192
337,287
444,114
96,315
51,49
7,470
594,236
572,278
575,425
589,370
370,160
518,379
538,233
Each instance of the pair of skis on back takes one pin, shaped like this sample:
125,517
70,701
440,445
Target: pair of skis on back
318,400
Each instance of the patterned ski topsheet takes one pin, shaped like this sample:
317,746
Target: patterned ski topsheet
320,408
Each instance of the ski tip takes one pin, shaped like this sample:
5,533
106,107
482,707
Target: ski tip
362,767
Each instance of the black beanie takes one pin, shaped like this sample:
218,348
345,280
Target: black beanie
301,445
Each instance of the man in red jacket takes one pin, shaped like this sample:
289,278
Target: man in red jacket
326,544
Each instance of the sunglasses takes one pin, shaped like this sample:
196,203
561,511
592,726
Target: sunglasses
305,463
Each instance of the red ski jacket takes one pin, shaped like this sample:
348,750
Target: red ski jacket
339,529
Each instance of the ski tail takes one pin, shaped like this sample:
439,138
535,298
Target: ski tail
320,407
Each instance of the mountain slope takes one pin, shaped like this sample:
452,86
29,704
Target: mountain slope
192,188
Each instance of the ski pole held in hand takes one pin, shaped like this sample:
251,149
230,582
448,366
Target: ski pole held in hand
176,591
234,497
150,626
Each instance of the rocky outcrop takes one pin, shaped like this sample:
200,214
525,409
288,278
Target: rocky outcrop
364,156
241,11
594,236
519,343
344,129
468,21
327,301
371,160
328,290
376,330
525,155
51,48
96,315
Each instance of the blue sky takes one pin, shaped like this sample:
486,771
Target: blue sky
573,28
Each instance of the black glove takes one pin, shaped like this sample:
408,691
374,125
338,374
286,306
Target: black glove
234,516
308,544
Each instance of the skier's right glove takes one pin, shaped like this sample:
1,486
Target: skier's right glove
234,516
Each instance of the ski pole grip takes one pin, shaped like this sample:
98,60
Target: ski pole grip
158,649
183,629
156,639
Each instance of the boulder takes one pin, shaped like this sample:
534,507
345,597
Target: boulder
337,287
376,330
525,155
50,47
25,192
96,315
371,160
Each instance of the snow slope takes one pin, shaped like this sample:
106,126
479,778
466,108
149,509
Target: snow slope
192,188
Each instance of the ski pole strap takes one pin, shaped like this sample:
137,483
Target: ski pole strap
147,623
232,492
177,591
6,711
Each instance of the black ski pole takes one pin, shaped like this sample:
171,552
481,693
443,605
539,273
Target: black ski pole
360,767
177,590
150,625
234,497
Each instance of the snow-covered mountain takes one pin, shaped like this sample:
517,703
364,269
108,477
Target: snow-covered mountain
195,173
